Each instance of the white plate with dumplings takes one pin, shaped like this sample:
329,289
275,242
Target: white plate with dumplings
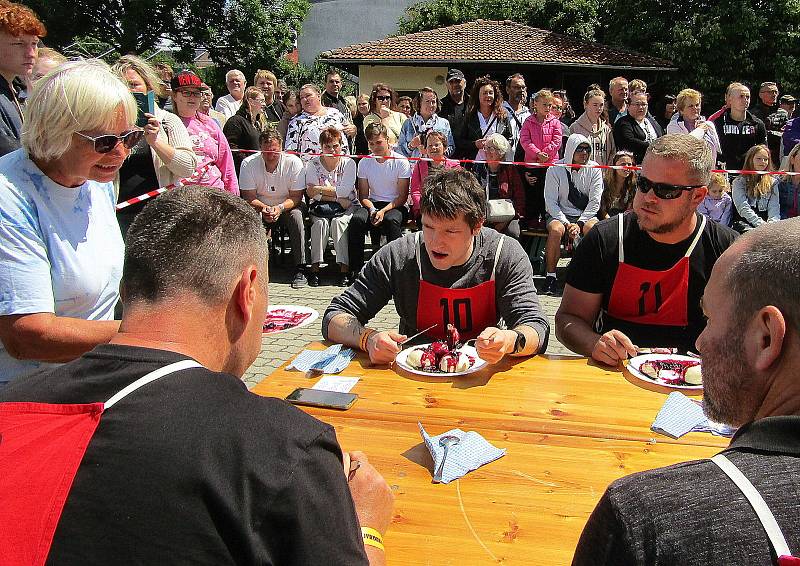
670,370
409,360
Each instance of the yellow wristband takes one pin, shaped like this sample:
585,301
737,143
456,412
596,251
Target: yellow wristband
372,537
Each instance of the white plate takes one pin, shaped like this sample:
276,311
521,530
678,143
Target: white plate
469,350
635,363
298,309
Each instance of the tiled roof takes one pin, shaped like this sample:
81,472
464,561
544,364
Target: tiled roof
494,42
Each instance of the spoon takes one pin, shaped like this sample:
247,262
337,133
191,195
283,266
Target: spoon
445,442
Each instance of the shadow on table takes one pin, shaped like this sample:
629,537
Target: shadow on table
419,454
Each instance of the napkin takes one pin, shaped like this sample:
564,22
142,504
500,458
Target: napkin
330,360
680,415
472,452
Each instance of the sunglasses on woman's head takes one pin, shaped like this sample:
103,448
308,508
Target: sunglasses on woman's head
107,142
663,191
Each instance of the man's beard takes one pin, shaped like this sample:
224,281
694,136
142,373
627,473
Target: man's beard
667,227
726,373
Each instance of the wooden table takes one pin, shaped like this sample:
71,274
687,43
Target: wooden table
570,428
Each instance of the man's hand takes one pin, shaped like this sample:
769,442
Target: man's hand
573,230
372,496
272,213
349,130
383,347
612,348
377,218
492,344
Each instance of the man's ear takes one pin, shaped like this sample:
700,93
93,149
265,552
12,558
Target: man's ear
768,329
245,293
478,227
699,194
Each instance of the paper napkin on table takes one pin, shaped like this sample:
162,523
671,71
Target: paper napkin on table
680,415
330,360
472,452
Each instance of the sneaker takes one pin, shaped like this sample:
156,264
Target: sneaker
344,280
299,280
550,286
313,279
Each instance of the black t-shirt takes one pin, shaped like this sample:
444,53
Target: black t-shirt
194,469
594,267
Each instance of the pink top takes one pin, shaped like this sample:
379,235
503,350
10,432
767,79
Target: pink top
418,177
536,136
211,147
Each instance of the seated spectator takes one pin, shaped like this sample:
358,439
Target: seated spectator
212,473
504,193
362,106
273,107
304,129
382,105
755,196
592,125
243,128
789,186
541,132
329,182
435,144
412,134
231,102
205,106
405,105
452,261
572,197
737,128
636,280
485,116
718,205
383,180
619,186
269,182
635,131
533,187
691,513
209,143
291,108
689,120
62,252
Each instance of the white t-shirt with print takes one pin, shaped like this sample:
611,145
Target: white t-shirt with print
382,177
342,178
271,188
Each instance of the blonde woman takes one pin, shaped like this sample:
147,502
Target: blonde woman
268,83
592,125
689,120
755,196
243,128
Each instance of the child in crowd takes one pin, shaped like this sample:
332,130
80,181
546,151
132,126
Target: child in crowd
717,205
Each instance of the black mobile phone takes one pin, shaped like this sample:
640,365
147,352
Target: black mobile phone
320,398
147,104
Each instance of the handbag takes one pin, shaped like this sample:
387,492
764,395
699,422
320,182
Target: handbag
500,210
326,209
577,198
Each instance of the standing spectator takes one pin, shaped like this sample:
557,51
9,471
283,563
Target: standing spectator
454,105
557,111
518,111
329,182
541,132
282,89
231,102
163,156
383,180
404,105
362,109
567,116
689,120
382,104
618,90
268,83
414,130
435,146
767,101
243,128
791,131
592,125
789,186
485,116
768,111
718,205
304,129
50,59
619,186
572,197
205,105
291,108
502,183
634,131
20,30
332,98
269,182
209,143
666,109
755,196
165,74
737,128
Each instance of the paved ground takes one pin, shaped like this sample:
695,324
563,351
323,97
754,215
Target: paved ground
277,348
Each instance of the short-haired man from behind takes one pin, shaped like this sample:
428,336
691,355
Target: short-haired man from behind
637,278
191,467
695,513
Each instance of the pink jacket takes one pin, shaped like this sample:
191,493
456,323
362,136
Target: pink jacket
212,149
536,136
418,178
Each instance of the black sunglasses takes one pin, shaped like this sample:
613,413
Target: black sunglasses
663,191
385,97
107,142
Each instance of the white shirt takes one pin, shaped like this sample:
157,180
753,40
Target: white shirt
649,133
488,127
342,178
271,188
228,105
383,177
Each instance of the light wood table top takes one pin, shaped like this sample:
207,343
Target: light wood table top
569,428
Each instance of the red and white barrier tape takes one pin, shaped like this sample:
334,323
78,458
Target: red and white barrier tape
179,183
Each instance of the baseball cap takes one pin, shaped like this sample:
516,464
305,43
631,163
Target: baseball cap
788,99
454,74
186,79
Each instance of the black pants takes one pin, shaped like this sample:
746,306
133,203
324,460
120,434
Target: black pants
391,227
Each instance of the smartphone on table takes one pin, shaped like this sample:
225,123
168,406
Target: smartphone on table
147,105
320,398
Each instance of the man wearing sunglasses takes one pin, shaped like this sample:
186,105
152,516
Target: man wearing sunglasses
637,278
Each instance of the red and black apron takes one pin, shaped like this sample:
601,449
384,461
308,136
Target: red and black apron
41,447
774,533
470,309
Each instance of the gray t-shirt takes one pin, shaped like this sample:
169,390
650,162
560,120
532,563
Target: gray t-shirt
393,273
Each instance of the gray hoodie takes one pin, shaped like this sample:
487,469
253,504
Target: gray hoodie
587,180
